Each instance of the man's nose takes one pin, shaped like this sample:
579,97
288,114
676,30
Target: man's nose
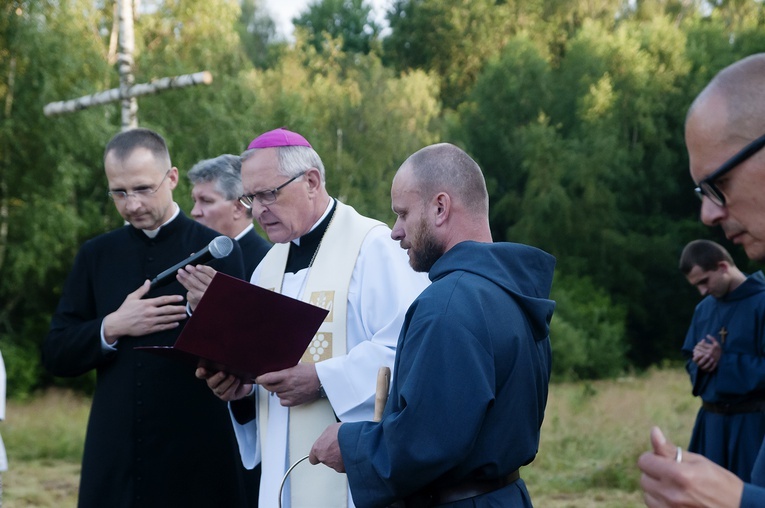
258,208
132,202
397,233
712,214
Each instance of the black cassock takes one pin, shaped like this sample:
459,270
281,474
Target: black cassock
157,436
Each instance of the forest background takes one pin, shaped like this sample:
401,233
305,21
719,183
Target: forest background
573,108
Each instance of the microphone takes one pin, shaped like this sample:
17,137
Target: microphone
219,247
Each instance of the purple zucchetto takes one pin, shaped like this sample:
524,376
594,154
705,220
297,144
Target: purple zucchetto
278,137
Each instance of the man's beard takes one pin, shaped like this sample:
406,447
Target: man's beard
425,250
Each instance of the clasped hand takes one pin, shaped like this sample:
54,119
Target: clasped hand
707,353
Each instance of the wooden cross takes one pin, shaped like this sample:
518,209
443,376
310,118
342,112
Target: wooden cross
723,333
128,90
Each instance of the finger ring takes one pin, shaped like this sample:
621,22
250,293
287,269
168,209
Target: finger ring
679,455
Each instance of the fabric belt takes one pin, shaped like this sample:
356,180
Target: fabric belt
726,408
461,491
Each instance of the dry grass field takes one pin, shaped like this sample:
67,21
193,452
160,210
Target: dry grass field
591,438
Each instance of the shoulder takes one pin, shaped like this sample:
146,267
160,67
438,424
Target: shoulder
106,240
251,238
351,214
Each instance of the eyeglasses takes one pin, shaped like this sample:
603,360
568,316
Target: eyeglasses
140,192
707,186
266,197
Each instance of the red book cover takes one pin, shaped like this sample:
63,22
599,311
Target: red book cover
245,330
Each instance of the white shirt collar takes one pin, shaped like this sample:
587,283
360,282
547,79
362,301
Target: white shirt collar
154,232
244,231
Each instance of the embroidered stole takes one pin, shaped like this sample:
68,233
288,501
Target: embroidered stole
327,286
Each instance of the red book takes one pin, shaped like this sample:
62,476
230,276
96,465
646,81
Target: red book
245,330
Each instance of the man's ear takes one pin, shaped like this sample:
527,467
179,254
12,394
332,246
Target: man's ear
173,177
240,210
723,266
442,204
313,177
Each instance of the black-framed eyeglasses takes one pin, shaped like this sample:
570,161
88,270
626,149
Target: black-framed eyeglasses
707,186
266,197
140,192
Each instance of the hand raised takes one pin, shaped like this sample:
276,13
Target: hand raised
677,478
195,279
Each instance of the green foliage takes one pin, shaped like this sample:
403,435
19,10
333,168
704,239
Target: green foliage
257,31
587,331
574,110
361,118
349,20
52,196
452,38
22,368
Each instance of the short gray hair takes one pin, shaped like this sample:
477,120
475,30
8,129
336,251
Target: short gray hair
293,160
444,166
225,171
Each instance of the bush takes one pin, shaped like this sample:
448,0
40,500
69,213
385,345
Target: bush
587,332
22,367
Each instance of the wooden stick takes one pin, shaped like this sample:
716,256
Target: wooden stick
115,94
381,394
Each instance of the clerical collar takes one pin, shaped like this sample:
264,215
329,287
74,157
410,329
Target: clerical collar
244,232
330,207
301,253
154,232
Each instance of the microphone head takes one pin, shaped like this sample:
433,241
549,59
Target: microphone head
221,246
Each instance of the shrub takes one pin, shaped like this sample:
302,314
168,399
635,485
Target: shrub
587,331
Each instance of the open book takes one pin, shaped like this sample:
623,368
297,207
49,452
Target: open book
245,330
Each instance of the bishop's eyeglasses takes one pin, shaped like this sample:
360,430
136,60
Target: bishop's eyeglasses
266,197
139,192
707,186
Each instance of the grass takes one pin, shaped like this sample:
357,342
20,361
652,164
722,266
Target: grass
44,437
591,438
594,432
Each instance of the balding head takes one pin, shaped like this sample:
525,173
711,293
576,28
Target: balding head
445,167
727,116
440,199
740,89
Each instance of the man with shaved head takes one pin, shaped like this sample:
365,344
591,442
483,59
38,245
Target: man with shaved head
725,136
473,357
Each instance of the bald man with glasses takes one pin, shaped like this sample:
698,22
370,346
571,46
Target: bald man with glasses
724,136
